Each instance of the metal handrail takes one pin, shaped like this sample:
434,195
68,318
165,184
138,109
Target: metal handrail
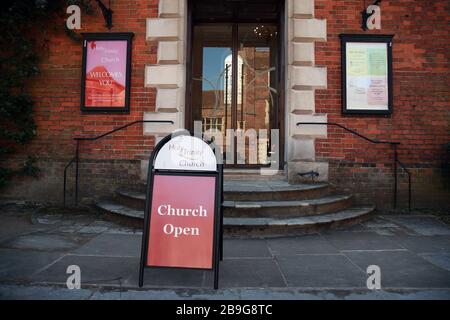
351,131
409,181
394,145
76,158
65,178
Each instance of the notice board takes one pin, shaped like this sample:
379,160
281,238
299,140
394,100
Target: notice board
366,74
106,72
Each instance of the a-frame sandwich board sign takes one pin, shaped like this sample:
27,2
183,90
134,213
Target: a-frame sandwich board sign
183,207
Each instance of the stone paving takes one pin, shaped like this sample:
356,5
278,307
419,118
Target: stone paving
37,245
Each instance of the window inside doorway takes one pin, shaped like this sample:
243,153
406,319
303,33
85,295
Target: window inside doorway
234,79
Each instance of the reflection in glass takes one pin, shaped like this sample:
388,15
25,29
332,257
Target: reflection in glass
249,107
256,109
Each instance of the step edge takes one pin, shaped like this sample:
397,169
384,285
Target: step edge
131,194
141,196
287,203
353,212
287,189
101,205
304,221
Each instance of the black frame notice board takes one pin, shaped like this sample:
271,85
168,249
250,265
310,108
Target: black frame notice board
111,74
366,62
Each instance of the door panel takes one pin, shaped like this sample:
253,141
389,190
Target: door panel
258,95
212,45
235,88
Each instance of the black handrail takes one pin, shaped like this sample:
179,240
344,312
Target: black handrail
76,158
394,145
351,131
65,178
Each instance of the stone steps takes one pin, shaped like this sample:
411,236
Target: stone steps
252,174
234,226
275,190
276,227
258,208
261,207
114,207
286,208
243,191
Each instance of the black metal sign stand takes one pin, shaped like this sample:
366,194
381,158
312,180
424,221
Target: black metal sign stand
218,210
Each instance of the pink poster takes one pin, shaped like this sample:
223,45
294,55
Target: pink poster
106,67
182,222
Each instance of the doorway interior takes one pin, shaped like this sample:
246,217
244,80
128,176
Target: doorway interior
235,78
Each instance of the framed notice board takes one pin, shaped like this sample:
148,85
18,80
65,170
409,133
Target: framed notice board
366,74
106,72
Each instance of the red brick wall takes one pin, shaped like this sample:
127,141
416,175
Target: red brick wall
420,119
57,89
56,92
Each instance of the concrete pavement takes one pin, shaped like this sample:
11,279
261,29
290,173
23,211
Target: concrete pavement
37,244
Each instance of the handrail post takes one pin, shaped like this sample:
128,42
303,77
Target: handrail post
76,158
64,188
393,144
76,172
395,175
409,192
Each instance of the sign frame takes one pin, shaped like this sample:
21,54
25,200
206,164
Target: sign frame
118,36
217,246
364,38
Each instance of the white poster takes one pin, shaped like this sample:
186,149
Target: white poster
186,153
367,76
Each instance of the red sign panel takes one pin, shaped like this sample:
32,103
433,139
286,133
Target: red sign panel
106,67
182,222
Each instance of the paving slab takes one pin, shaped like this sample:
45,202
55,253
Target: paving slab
93,229
362,241
379,222
279,294
20,292
168,277
416,295
136,295
123,230
384,227
13,292
385,295
112,245
50,219
248,273
425,244
103,223
441,260
22,264
308,244
94,270
353,228
45,242
321,271
248,248
422,225
402,269
412,251
211,294
13,226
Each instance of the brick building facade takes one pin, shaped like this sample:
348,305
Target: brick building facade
312,92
